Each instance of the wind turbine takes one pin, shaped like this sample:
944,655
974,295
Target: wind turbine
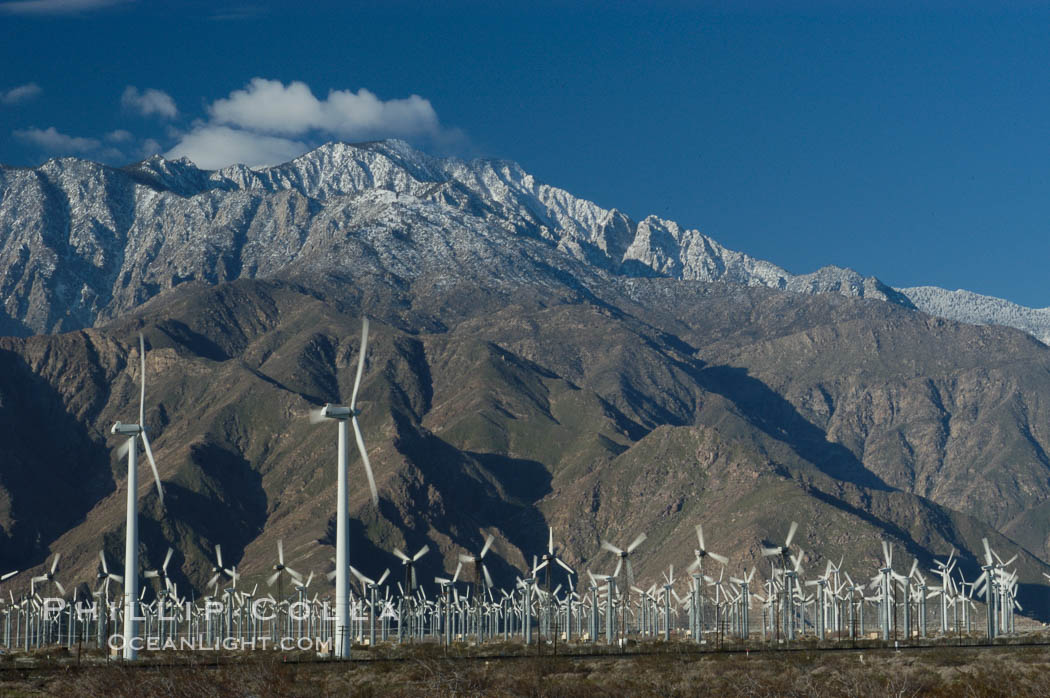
49,576
553,554
162,572
784,553
409,563
696,568
342,415
624,556
281,567
479,564
131,540
218,571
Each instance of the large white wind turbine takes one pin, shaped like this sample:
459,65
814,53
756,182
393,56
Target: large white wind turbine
131,542
342,415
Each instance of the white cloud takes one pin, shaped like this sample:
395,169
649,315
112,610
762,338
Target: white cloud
211,147
119,136
269,122
55,7
272,107
22,93
51,140
150,147
149,102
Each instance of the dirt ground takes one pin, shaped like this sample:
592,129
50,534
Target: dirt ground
942,671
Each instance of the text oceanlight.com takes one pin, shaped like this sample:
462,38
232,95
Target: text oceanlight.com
203,644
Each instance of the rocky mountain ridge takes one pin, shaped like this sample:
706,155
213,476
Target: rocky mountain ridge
977,309
81,243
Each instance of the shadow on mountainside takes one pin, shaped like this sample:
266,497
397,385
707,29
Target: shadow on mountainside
487,490
778,418
225,505
43,503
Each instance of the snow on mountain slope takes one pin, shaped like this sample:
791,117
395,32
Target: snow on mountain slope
82,242
975,309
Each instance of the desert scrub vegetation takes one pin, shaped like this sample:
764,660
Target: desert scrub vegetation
969,672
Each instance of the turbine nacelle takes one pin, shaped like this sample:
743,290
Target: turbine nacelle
339,411
126,429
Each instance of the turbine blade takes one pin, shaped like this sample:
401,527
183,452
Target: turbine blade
317,416
619,564
153,465
459,566
142,380
488,544
360,361
272,578
280,551
383,577
400,555
364,459
700,536
636,542
550,542
422,551
54,563
987,551
488,577
102,556
720,558
61,589
167,559
791,534
122,450
610,547
218,554
564,566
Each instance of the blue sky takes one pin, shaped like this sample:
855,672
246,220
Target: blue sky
908,140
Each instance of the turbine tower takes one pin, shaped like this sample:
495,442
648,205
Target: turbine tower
131,541
342,415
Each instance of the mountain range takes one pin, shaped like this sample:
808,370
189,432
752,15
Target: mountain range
537,361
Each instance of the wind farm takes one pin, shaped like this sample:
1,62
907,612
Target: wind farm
548,607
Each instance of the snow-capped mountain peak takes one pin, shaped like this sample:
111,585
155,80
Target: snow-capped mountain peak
81,242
